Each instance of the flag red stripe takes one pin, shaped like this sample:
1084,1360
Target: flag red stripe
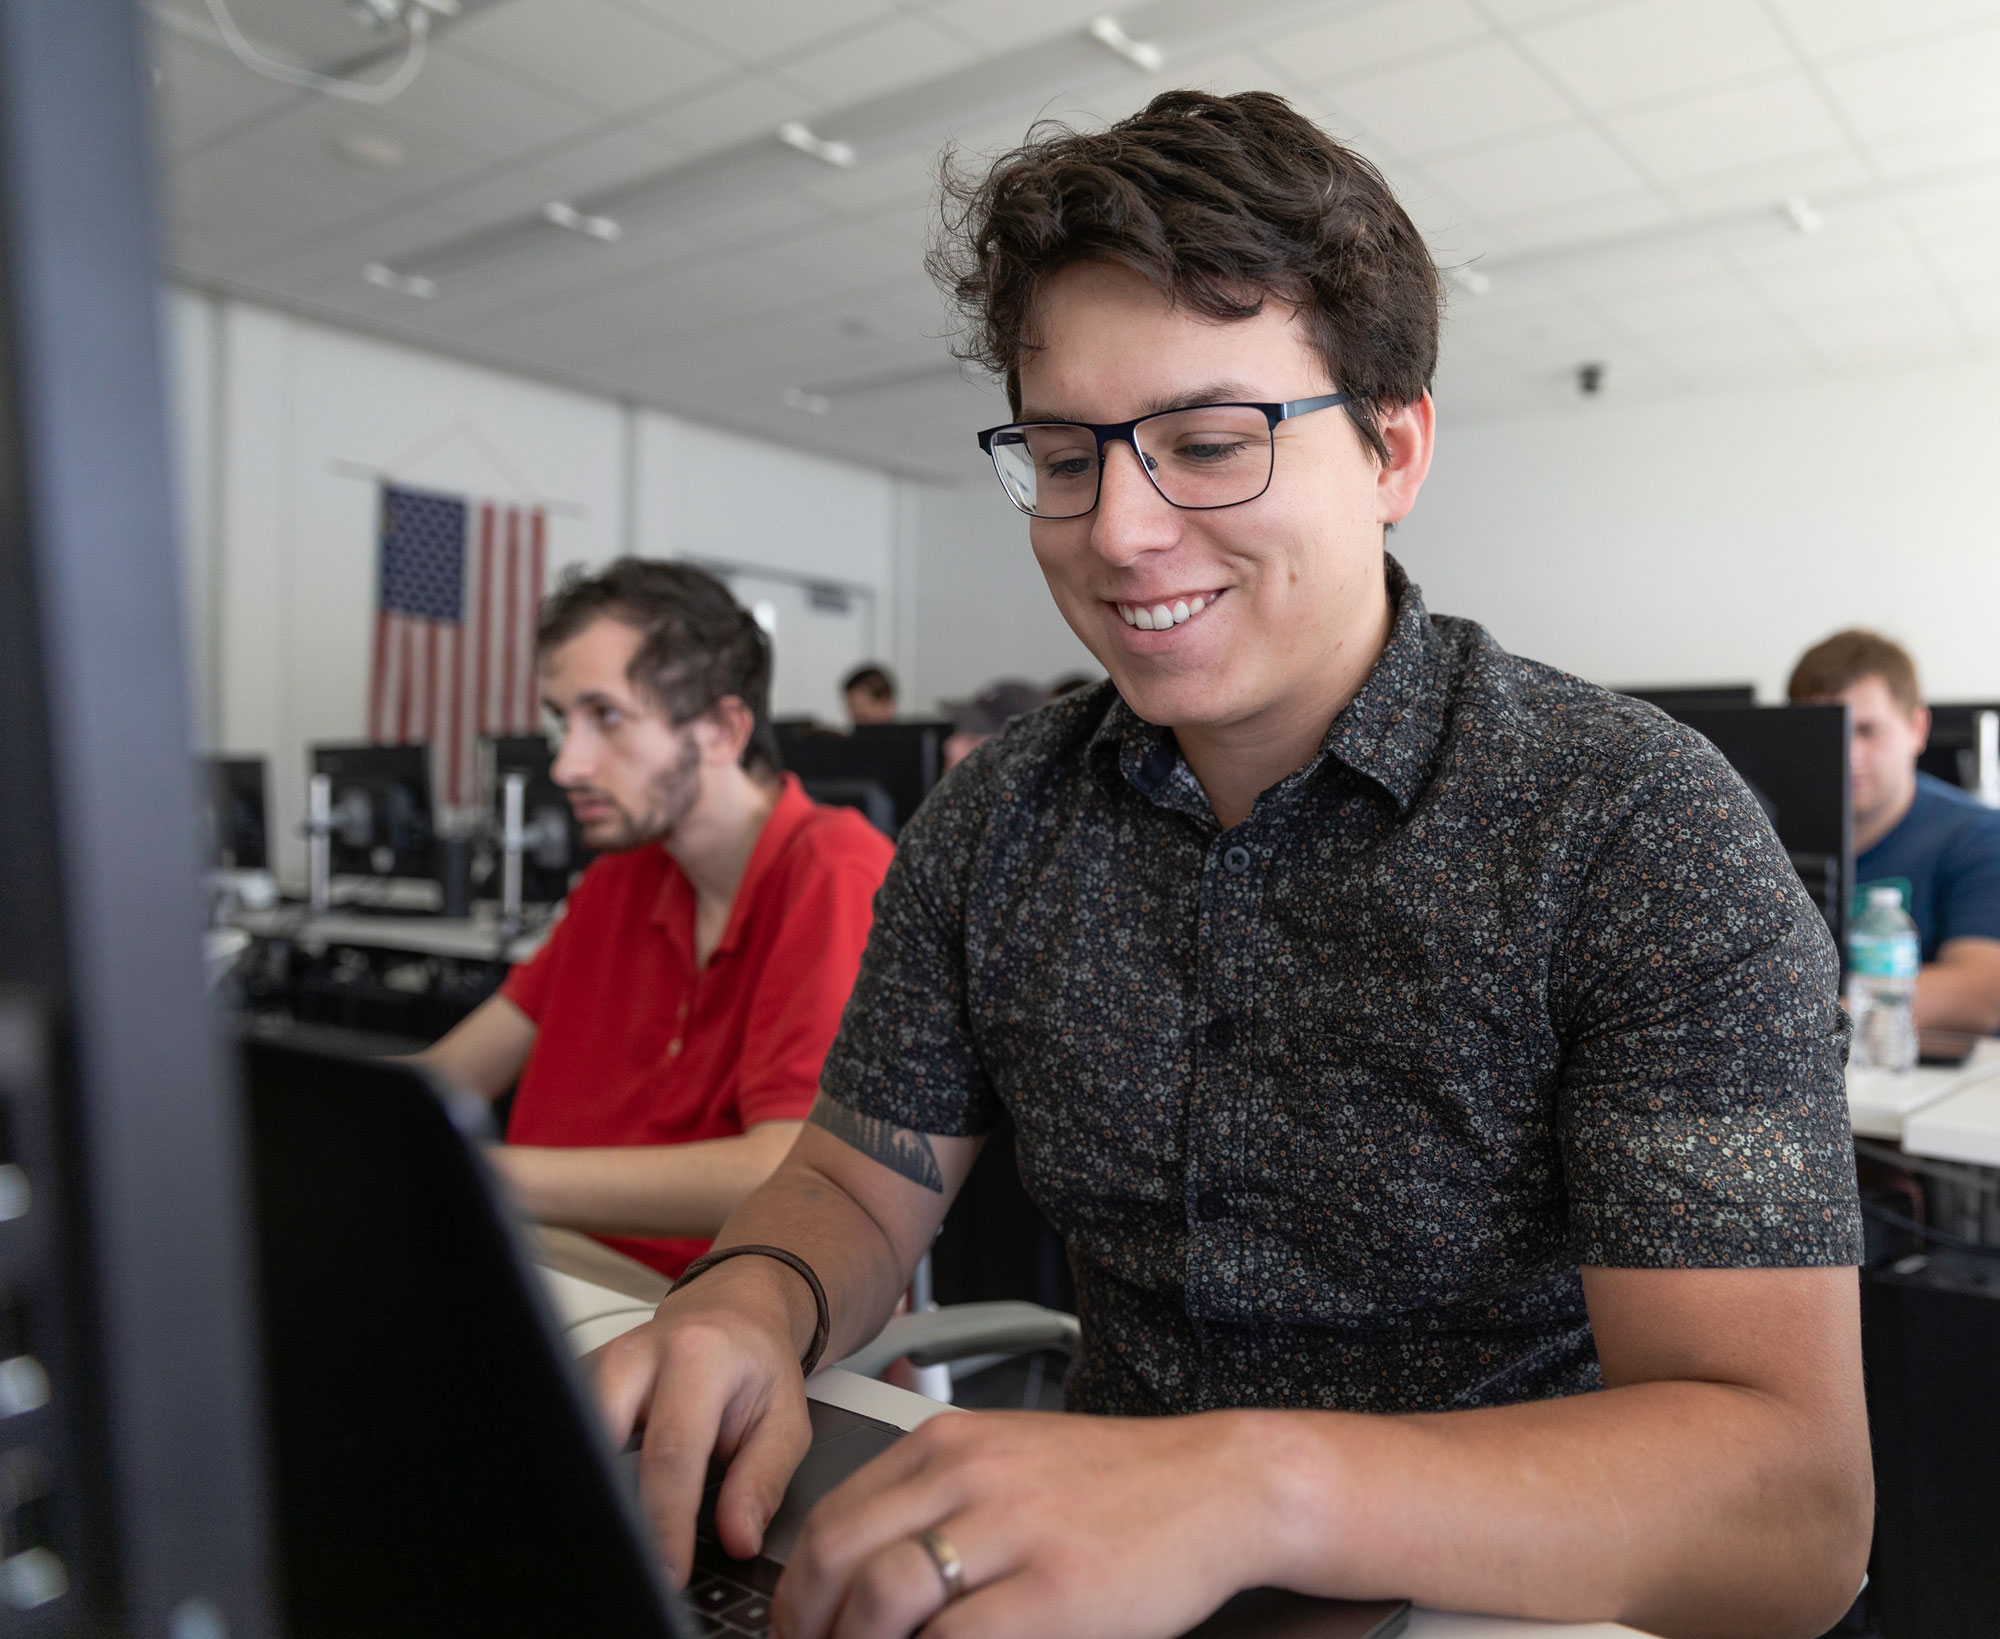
507,679
404,659
378,675
484,637
455,746
430,682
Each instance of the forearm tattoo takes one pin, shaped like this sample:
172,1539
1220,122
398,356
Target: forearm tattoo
900,1149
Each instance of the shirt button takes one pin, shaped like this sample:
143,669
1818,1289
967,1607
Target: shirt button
1210,1207
674,1048
1237,860
1221,1033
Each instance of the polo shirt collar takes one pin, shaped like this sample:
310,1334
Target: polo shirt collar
1388,733
674,906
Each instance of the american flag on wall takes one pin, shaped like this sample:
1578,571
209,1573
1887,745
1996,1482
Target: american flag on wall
454,654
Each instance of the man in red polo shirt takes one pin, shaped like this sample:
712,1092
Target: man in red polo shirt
667,1038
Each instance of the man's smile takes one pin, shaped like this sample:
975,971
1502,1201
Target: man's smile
1157,615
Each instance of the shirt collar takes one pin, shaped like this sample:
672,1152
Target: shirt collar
674,907
1388,733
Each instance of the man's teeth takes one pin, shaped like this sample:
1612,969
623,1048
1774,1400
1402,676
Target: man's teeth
1159,616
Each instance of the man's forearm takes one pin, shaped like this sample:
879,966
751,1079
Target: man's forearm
654,1189
1683,1508
1965,997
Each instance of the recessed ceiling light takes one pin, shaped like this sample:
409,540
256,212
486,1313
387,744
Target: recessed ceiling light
384,277
1799,212
565,215
1110,34
797,134
1469,279
371,150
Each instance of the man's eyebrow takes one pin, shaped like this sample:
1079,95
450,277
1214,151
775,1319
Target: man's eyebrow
594,699
1213,392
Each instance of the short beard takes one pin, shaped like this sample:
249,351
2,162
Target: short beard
669,801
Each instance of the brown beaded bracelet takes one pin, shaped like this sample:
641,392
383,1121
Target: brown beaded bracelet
823,1319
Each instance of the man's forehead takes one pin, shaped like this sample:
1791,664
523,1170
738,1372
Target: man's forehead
595,659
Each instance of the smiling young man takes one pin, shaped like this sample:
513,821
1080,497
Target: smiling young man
668,1037
1937,844
1431,1061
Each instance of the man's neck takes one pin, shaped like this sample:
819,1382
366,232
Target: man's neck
714,843
1236,762
1868,832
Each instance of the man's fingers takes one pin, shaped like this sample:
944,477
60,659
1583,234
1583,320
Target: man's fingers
621,1380
686,1411
769,1452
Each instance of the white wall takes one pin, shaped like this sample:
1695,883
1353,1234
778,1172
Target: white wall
1713,539
982,609
283,428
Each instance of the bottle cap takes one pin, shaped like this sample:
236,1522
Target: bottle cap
1886,896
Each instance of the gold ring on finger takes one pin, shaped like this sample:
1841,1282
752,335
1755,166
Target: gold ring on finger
950,1568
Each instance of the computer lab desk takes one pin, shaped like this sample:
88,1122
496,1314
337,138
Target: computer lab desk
468,938
597,1295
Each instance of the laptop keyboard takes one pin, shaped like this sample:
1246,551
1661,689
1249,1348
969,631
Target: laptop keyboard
730,1596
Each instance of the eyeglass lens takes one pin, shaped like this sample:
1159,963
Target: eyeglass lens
1211,456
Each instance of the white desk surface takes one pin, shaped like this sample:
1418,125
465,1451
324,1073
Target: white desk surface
475,938
591,1315
1962,1126
1881,1104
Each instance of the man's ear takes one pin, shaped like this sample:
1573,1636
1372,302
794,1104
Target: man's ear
724,730
1920,722
1410,431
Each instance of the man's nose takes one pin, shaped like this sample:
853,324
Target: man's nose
1132,517
572,763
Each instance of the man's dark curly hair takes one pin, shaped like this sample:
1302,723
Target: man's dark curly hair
700,645
1220,202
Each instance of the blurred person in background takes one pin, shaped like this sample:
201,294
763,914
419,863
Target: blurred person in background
977,720
1938,845
870,693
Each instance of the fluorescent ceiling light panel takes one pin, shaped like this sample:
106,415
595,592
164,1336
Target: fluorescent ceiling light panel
797,134
563,214
384,277
1110,33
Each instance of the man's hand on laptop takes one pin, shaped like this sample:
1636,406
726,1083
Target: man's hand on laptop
1063,1524
715,1371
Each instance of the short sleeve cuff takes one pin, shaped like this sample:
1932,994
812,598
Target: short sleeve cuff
1715,1235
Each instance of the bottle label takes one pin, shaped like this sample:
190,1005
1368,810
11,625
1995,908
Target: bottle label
1894,957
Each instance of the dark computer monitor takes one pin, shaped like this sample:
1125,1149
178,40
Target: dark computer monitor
234,808
1794,759
131,1474
904,759
1682,697
555,852
1952,752
381,809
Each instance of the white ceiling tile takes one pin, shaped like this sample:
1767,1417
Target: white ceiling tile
606,159
901,179
1894,277
1526,13
763,31
1597,223
1670,310
1367,41
589,50
202,94
1478,95
1726,353
750,107
494,111
880,59
1808,177
1640,269
1919,328
1656,48
842,256
1776,118
1955,147
1557,170
1000,27
1939,81
1836,27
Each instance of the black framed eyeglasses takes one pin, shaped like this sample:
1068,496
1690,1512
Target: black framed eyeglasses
1199,458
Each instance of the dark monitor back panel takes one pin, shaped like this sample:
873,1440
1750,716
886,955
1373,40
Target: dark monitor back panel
1696,697
434,1461
1952,752
905,759
547,871
1794,759
234,790
396,781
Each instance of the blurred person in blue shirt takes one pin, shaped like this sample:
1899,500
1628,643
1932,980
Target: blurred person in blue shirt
1936,843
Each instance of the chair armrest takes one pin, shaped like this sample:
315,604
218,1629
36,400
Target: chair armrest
961,1330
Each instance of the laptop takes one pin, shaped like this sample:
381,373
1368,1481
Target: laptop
439,1467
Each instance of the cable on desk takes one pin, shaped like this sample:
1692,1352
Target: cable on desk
1939,1237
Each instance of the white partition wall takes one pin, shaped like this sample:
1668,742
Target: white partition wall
1713,538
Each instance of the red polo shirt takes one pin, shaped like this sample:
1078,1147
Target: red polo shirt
636,1045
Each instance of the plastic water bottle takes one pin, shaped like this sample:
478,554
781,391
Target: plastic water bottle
1882,960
